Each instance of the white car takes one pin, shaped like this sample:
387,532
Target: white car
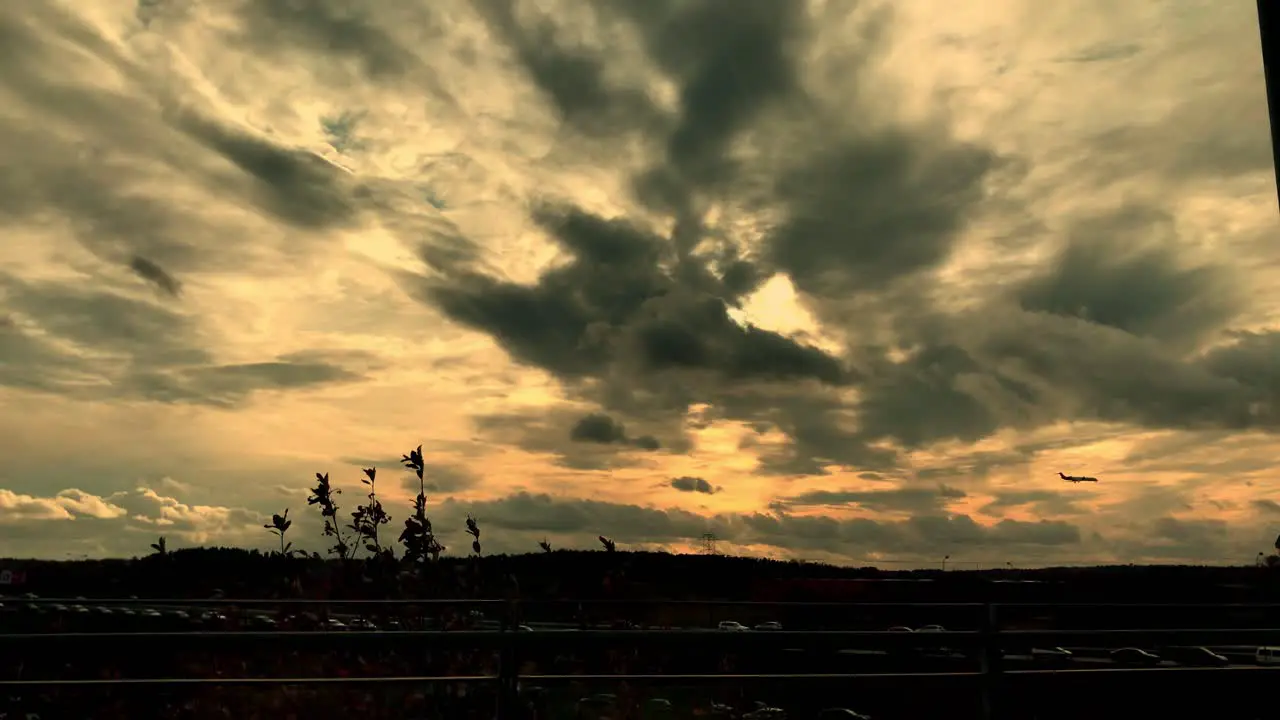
732,626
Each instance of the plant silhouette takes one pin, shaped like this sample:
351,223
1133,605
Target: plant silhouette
418,538
474,531
323,494
278,526
367,518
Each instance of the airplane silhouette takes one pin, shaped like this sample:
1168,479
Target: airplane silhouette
1077,478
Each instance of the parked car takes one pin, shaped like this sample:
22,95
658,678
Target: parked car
1051,656
1134,657
841,714
771,625
1196,656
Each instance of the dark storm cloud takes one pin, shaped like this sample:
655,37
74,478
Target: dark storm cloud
686,483
730,62
639,324
918,536
650,320
295,186
618,301
231,385
573,80
158,276
1009,368
604,430
876,210
1121,270
598,429
332,28
916,500
595,441
1250,360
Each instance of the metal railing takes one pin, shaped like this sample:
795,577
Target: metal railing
989,640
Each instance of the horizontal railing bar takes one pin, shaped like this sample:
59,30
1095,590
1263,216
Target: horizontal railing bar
178,602
619,677
617,602
720,677
391,679
1187,636
1140,605
489,637
813,639
219,601
1146,670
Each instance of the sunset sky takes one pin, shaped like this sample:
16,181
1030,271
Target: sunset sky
838,280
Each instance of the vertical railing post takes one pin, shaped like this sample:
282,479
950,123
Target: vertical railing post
990,663
509,663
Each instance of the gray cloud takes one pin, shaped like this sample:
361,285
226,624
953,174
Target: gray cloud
134,140
155,352
325,27
595,441
572,80
638,323
686,483
604,430
153,273
230,385
1120,270
917,500
1042,503
1263,505
295,186
531,515
71,522
644,330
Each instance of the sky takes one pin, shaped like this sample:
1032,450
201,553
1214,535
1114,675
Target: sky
844,281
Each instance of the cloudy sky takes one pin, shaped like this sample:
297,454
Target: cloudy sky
844,280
